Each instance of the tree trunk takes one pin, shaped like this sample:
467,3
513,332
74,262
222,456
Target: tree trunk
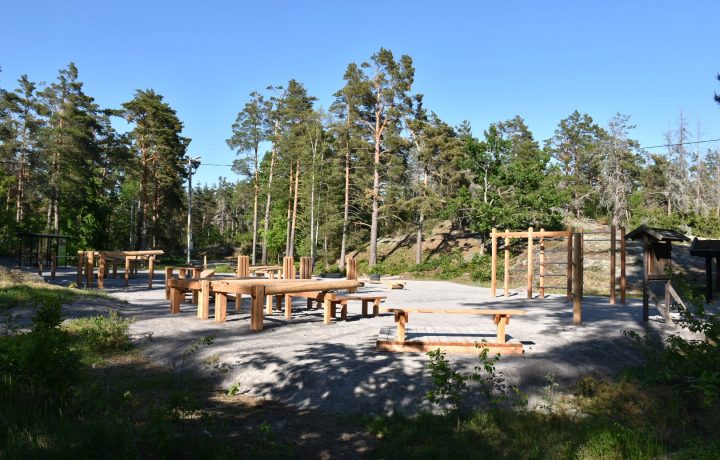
346,207
255,208
421,222
294,212
289,212
375,196
266,224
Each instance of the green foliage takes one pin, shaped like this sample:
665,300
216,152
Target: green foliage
448,384
102,334
691,367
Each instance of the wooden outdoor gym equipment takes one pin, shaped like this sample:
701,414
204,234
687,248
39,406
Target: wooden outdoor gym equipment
87,259
574,263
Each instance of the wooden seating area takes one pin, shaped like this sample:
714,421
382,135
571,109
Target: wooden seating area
106,259
402,316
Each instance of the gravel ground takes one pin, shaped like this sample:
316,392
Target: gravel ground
335,368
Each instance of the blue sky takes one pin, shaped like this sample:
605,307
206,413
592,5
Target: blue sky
480,61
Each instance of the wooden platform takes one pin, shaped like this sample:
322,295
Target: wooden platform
449,339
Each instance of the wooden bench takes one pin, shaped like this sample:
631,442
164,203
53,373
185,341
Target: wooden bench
343,300
402,316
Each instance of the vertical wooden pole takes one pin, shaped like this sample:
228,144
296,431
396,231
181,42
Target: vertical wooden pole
243,266
351,267
53,265
101,272
80,263
613,278
127,270
205,262
493,268
708,279
151,271
89,268
328,309
577,278
530,263
288,268
542,265
269,298
506,275
220,307
168,277
622,265
501,321
646,269
569,288
204,300
256,310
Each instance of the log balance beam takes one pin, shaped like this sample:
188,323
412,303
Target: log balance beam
401,344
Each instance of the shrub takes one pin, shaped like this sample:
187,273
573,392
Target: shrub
103,334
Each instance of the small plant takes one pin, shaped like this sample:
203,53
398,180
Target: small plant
103,334
448,384
194,347
549,393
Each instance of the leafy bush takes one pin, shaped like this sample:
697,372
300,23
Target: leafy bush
43,357
103,334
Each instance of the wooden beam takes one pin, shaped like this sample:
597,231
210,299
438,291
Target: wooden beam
542,265
647,254
569,268
101,273
493,267
256,311
623,249
530,263
613,278
168,277
151,271
506,273
220,307
577,278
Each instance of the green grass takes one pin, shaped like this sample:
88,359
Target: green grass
621,420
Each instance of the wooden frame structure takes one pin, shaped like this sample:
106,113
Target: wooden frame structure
657,265
709,249
87,261
574,263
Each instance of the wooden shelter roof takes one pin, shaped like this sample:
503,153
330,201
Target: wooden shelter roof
656,234
705,248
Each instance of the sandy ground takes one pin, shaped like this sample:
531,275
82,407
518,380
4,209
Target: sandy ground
335,368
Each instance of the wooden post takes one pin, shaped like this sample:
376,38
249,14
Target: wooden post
256,310
646,269
269,298
305,268
101,272
613,278
220,307
542,264
493,267
708,279
288,306
89,268
530,263
176,298
243,266
53,265
40,267
127,270
622,265
351,271
288,268
204,300
501,321
328,309
506,274
114,270
717,274
401,318
577,278
569,287
205,262
80,263
168,277
151,271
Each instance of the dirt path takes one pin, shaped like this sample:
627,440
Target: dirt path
335,368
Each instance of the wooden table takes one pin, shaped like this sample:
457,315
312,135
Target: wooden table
259,289
86,260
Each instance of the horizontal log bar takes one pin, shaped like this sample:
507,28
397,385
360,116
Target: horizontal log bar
289,288
534,234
